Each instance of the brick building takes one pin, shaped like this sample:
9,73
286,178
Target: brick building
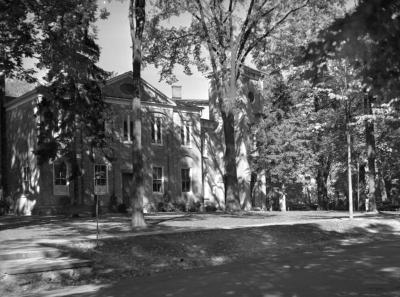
171,137
183,151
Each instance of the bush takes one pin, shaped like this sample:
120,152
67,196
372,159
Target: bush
179,206
4,207
211,208
194,206
387,206
165,207
113,205
122,208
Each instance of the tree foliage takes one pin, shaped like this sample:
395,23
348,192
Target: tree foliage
285,134
218,39
368,38
72,100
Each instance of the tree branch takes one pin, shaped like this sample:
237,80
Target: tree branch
244,35
255,42
208,39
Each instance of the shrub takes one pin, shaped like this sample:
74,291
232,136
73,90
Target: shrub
122,208
179,206
211,208
4,207
387,206
194,206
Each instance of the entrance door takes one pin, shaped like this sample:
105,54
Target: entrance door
127,187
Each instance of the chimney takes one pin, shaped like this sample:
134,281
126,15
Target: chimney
176,92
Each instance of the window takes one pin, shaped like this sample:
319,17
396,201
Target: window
186,180
60,174
128,129
100,175
185,134
157,179
60,180
251,97
100,179
156,132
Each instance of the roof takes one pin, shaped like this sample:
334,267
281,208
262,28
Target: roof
188,103
192,101
122,86
119,87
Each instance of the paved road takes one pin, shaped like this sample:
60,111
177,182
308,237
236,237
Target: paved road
368,269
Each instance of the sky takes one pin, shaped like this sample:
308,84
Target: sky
115,42
116,55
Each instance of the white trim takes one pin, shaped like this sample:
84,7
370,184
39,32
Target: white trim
26,98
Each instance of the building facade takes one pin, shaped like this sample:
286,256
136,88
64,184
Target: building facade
171,138
182,142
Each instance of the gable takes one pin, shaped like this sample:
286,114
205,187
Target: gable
122,87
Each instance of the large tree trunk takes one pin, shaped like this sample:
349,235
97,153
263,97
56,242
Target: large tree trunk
381,187
232,202
370,145
324,166
3,144
137,20
322,181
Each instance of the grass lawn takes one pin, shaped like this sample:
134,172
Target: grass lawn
143,255
123,256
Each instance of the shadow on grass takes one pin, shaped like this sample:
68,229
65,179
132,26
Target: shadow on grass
283,261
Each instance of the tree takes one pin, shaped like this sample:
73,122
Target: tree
61,39
229,32
284,137
72,102
281,52
368,38
17,39
137,20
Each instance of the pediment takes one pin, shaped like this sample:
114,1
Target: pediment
122,87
